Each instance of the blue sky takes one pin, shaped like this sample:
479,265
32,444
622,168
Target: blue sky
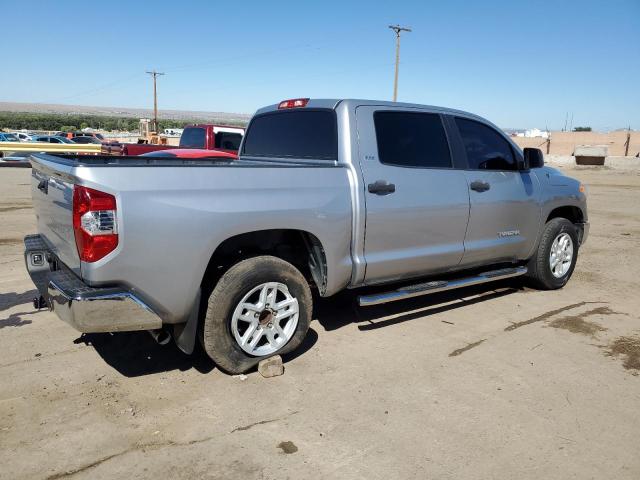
520,64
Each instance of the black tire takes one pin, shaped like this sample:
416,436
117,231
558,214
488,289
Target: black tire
217,337
539,273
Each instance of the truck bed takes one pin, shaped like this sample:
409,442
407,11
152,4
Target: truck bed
173,213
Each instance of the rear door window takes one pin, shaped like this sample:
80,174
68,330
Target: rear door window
486,149
228,140
411,139
304,134
193,137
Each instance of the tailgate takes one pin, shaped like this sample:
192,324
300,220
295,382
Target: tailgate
52,193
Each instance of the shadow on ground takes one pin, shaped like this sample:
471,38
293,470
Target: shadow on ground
16,320
342,309
135,354
13,299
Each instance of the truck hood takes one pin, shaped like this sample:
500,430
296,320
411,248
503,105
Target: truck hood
556,178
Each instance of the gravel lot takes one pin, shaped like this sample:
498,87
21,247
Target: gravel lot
493,382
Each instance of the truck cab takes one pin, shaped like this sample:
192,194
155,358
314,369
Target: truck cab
203,136
212,137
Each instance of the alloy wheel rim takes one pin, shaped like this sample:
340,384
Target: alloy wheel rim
265,319
561,255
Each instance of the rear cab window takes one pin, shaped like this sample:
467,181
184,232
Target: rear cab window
299,134
228,140
193,137
411,139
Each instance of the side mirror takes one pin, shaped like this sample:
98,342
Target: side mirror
533,158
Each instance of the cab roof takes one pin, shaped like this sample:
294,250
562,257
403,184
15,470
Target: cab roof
333,103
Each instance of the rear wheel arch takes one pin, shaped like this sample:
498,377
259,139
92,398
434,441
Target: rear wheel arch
261,306
300,248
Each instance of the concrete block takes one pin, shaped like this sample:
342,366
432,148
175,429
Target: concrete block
271,367
591,151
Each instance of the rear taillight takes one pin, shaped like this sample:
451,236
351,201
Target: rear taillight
293,103
94,223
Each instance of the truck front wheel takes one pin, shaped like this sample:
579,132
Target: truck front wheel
259,308
553,263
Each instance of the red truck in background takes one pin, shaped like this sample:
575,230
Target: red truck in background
203,136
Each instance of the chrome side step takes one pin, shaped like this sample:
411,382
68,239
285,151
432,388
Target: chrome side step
439,286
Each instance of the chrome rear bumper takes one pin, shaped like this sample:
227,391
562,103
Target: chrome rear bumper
85,308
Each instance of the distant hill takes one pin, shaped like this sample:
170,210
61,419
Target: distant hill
214,117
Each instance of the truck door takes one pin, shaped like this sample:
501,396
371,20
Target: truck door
505,211
417,204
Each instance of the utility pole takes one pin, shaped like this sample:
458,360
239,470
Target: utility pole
571,123
397,29
626,144
155,74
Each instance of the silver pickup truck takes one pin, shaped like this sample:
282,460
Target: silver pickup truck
326,195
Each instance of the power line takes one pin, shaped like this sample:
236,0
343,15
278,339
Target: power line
397,29
101,88
155,74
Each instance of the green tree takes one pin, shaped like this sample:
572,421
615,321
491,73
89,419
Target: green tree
55,121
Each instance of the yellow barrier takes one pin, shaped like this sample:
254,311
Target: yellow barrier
49,147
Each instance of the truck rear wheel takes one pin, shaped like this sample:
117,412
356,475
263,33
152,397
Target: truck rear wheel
554,261
259,308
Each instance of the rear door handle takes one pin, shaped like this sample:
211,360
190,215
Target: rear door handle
479,186
381,187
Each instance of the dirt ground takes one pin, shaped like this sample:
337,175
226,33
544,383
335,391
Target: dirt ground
494,382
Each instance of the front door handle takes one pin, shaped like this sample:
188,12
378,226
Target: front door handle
381,187
479,186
